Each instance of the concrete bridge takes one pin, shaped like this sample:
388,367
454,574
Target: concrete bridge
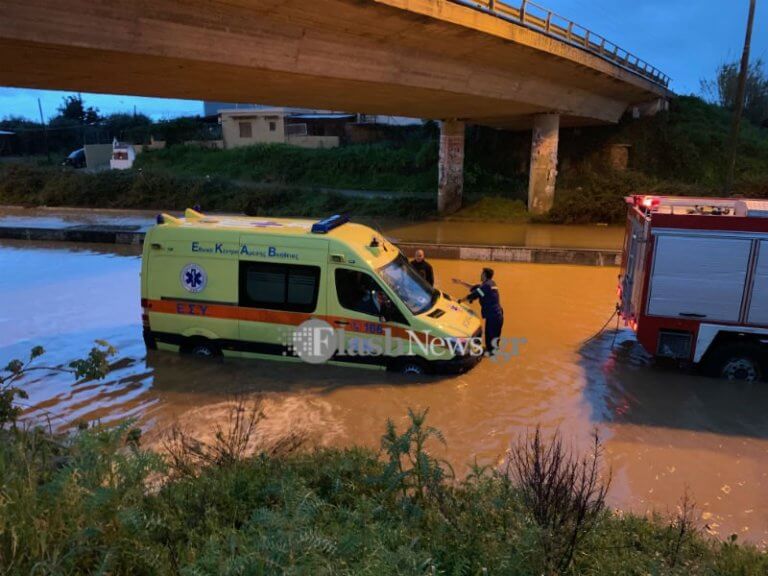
484,62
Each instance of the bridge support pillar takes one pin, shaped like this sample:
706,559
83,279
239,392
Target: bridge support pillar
543,172
450,183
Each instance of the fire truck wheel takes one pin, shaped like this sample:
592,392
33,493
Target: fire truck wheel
744,362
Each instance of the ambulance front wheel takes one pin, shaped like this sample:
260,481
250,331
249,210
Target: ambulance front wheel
409,366
202,348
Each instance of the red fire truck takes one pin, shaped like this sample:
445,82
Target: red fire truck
694,282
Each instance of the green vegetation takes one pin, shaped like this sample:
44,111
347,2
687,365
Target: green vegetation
680,152
723,89
677,152
492,209
95,501
407,164
30,185
408,168
94,366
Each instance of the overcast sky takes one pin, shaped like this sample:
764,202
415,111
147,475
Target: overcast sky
686,39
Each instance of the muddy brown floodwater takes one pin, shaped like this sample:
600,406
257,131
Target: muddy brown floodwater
665,431
505,234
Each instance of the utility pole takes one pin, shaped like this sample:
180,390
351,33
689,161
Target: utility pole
45,129
739,105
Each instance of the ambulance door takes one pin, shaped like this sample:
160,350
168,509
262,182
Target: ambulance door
190,289
355,302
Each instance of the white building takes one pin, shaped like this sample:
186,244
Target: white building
215,108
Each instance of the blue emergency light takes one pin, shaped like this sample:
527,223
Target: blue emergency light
325,226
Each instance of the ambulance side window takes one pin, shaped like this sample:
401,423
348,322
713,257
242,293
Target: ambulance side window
279,286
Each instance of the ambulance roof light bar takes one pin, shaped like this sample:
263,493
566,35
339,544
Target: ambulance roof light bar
328,224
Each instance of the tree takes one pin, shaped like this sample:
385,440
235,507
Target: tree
16,123
722,90
74,110
135,128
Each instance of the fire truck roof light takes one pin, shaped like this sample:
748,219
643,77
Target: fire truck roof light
650,201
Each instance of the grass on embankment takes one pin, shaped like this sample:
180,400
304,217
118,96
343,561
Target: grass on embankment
96,502
130,189
385,167
27,185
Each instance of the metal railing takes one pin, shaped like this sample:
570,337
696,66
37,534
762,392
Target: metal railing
539,18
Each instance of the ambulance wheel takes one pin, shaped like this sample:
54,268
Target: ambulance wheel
410,367
743,361
203,349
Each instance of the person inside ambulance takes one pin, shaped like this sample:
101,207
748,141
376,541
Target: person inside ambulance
365,296
382,305
490,306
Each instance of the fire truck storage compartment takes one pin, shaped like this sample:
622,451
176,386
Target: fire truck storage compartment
758,306
674,344
700,277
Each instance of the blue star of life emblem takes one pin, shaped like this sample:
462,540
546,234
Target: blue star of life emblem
193,278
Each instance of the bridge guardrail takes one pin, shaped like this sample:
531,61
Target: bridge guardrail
544,20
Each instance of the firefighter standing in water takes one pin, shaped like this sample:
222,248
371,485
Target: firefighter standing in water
490,306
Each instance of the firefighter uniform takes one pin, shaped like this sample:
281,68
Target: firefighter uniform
490,309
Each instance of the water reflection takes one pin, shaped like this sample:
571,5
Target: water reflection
674,431
508,234
624,386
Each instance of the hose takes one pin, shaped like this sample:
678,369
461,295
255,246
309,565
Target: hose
596,334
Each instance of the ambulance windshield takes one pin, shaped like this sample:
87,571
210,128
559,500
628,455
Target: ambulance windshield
408,284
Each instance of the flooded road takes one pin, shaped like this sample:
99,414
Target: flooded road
506,234
665,431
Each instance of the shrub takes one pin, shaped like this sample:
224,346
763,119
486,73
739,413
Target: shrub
94,366
411,470
562,492
232,444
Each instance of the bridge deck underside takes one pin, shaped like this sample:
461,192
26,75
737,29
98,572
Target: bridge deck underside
373,57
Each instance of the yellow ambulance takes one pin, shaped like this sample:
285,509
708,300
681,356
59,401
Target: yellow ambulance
327,291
